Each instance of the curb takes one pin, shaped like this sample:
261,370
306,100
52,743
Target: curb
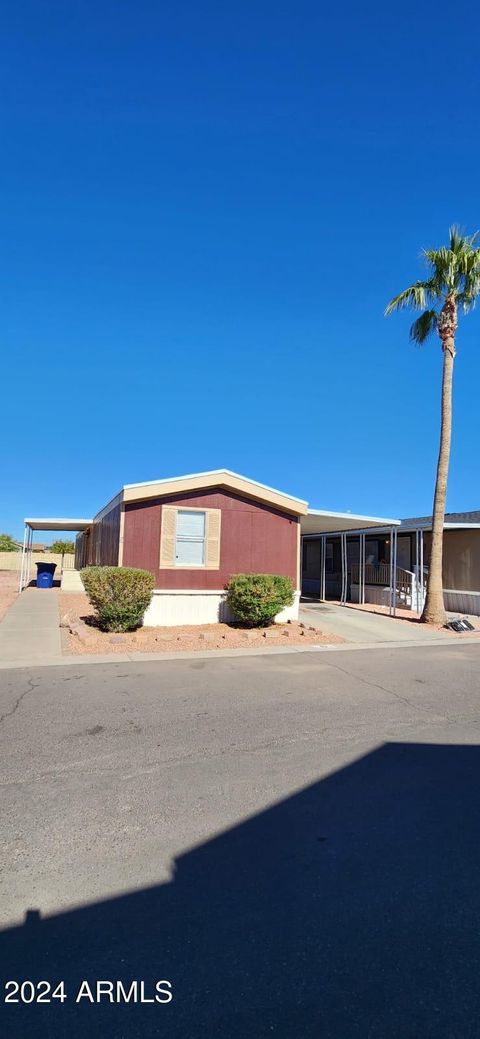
220,654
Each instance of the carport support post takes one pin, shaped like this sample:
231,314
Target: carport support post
342,571
392,575
22,565
28,561
394,550
364,565
417,572
343,543
323,553
26,557
361,569
422,589
393,572
30,551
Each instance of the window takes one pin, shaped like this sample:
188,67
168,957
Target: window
190,539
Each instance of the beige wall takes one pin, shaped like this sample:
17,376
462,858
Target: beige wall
461,560
13,560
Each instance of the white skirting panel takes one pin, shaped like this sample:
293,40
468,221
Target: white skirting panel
374,593
462,602
169,608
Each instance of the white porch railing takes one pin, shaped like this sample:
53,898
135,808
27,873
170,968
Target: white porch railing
408,586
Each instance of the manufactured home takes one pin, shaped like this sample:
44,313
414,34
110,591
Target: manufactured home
195,532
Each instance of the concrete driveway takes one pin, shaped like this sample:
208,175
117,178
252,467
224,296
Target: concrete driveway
292,841
360,626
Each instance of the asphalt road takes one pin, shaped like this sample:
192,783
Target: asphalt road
293,842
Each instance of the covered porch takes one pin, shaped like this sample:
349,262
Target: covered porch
358,559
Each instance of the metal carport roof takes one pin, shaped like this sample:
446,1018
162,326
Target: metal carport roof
320,521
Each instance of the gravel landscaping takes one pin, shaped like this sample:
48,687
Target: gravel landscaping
80,635
8,590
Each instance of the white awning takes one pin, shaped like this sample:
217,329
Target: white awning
47,523
319,521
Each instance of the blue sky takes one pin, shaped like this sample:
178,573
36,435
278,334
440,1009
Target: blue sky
206,209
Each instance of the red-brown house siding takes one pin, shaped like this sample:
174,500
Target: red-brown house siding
254,538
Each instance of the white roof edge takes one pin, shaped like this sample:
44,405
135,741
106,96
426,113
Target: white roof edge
461,526
57,521
446,526
380,520
215,472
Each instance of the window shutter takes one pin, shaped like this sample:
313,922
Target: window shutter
167,536
212,541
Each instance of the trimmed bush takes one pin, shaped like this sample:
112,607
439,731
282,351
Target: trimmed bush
257,598
119,594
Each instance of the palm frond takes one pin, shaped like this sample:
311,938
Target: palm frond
457,240
469,262
445,265
471,290
414,296
439,259
437,284
454,272
424,326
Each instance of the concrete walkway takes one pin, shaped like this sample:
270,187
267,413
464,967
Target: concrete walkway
30,629
363,627
30,635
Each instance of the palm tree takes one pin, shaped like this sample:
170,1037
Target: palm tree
453,284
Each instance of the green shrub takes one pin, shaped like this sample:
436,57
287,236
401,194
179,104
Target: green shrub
119,594
257,598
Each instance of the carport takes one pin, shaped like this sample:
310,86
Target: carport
321,526
58,525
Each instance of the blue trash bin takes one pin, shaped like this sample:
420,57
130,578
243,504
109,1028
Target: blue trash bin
45,572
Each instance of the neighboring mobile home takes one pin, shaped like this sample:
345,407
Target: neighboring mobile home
356,566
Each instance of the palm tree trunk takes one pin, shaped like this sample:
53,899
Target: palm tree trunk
434,610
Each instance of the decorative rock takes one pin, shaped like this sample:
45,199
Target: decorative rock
117,638
66,621
82,631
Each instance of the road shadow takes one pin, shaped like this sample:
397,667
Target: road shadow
350,909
